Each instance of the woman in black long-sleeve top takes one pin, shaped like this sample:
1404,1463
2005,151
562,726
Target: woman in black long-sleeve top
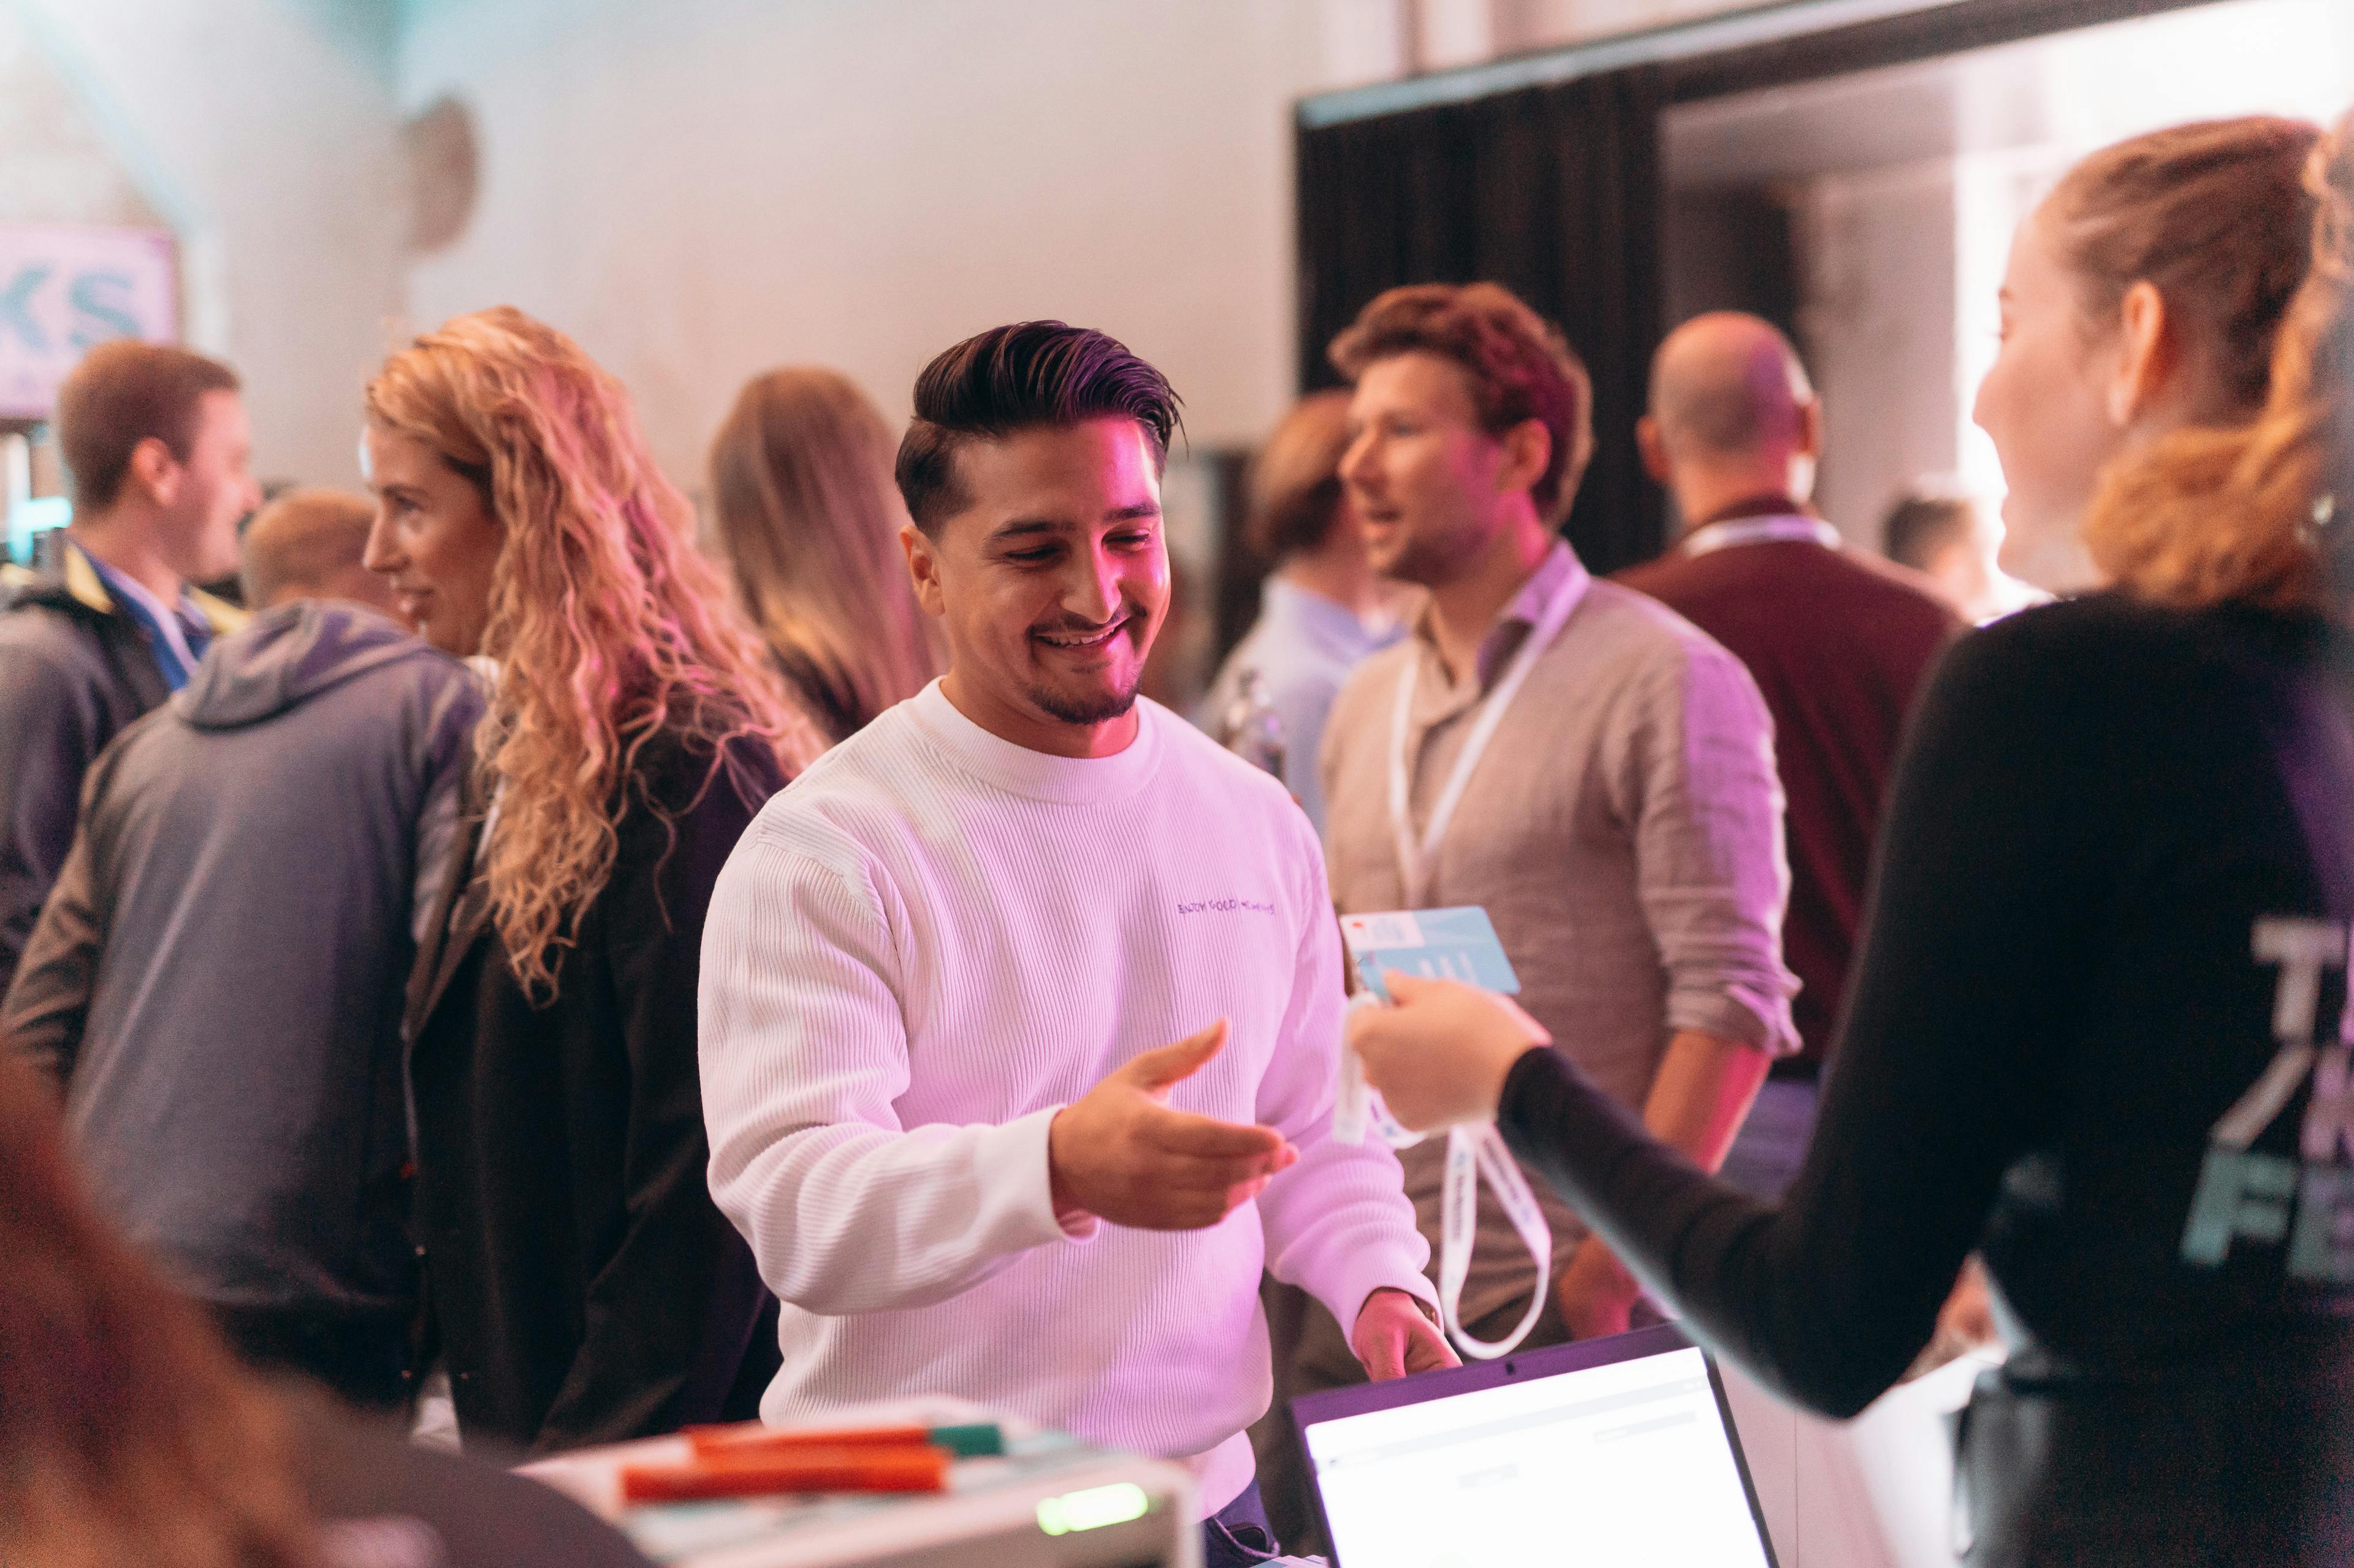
583,1288
2097,1032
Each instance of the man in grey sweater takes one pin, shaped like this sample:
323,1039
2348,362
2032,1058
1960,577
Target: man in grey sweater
1591,770
216,981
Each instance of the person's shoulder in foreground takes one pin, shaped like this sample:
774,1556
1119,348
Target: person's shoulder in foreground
2127,654
384,1502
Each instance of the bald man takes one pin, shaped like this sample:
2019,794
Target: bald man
307,543
1838,641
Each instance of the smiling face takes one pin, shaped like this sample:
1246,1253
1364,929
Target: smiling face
1426,480
434,541
1050,581
2045,400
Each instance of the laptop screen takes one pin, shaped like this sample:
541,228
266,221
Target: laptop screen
1550,1456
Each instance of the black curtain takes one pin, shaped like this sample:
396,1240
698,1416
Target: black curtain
1553,192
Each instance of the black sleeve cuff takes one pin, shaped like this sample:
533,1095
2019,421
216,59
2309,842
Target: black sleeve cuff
1557,1123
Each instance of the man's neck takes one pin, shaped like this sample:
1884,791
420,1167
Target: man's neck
1705,498
1464,610
1009,722
2057,563
130,549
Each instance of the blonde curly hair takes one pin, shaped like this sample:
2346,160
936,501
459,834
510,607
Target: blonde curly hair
2257,513
608,627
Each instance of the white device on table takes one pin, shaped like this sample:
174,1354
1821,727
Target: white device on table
1615,1450
1051,1502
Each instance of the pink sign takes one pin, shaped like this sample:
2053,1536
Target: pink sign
63,289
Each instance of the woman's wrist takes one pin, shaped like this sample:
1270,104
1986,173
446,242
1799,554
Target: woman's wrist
1522,1064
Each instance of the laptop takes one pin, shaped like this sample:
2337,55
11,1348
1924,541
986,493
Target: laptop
1610,1451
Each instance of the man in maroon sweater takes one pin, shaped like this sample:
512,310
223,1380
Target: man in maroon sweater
1836,641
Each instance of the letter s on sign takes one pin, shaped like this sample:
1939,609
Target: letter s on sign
100,317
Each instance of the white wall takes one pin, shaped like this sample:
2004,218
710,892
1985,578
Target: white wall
265,133
1876,278
702,189
54,166
705,187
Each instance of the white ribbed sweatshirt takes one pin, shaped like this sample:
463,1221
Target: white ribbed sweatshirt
919,952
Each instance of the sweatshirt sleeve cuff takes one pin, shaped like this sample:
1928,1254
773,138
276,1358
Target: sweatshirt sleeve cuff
1016,1176
1372,1269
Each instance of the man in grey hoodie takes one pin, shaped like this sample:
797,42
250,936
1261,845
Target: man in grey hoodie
216,981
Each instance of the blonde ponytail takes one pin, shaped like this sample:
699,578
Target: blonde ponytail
2257,513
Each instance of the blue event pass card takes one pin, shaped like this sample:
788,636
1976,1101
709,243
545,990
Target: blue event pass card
1444,944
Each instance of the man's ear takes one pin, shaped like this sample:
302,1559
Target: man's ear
923,569
1647,441
1528,447
2148,353
154,470
1810,428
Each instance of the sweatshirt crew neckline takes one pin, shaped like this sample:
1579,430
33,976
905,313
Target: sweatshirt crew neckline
1038,775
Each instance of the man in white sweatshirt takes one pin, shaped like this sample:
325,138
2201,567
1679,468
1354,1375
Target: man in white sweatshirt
943,970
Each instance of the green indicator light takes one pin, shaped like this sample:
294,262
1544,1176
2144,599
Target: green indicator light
1093,1509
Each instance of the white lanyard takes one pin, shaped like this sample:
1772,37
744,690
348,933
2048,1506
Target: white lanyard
1472,1151
1791,530
1414,858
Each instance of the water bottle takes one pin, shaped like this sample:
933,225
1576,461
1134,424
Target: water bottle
1251,729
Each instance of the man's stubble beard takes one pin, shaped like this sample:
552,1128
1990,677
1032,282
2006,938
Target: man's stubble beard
1096,707
1429,563
1101,708
1095,710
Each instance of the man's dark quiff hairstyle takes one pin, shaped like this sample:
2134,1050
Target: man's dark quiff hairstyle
1027,376
1519,365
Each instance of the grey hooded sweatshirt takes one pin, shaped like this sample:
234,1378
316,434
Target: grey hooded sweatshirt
217,979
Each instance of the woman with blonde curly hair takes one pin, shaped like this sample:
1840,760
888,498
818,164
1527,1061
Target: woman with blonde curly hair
810,520
2100,1027
582,1286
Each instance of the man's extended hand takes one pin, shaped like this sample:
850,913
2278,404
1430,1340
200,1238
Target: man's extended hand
1121,1154
1394,1336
